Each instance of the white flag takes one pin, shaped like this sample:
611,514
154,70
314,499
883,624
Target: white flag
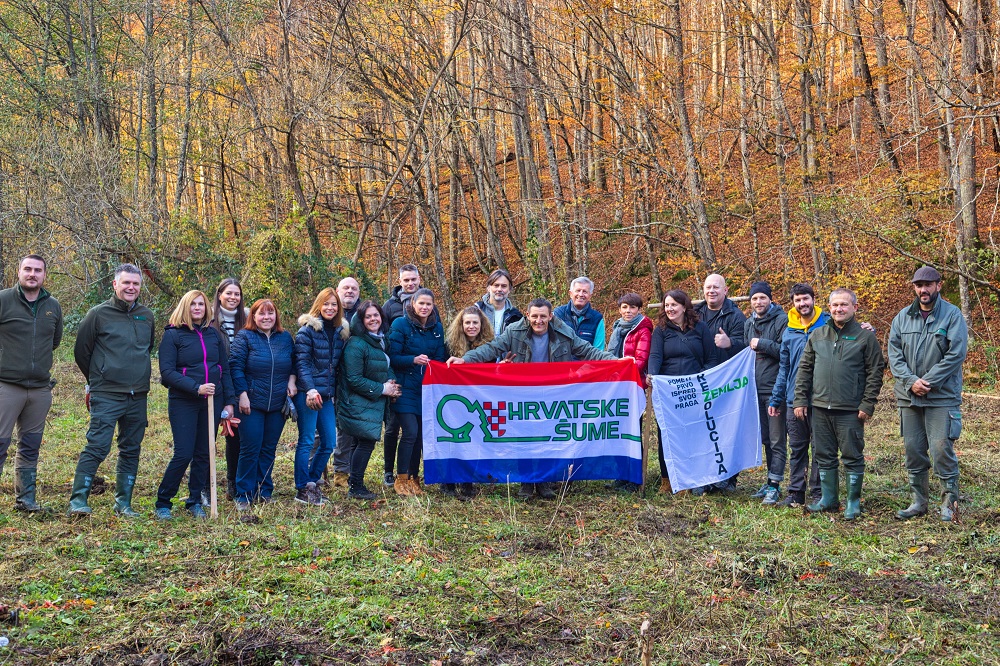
709,422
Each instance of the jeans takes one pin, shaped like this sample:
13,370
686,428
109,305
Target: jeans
108,410
799,466
772,435
189,425
324,418
359,460
390,440
258,444
411,444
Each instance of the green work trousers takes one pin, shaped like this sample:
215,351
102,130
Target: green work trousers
933,431
109,410
838,429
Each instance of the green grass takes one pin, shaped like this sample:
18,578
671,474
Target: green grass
498,581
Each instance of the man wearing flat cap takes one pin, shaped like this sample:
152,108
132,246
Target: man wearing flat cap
928,341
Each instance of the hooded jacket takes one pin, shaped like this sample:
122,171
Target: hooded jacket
792,343
564,345
840,369
113,345
315,360
769,328
931,349
192,357
361,407
510,313
407,340
676,353
731,320
29,332
261,366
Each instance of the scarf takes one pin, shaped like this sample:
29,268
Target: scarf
620,331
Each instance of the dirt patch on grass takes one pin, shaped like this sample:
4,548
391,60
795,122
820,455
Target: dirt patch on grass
927,596
655,523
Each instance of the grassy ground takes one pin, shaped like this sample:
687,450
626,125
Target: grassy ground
498,581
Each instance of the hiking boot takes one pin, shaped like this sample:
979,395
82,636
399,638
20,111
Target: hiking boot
340,480
526,491
402,485
24,490
415,484
792,501
919,490
829,481
665,488
80,494
762,492
198,511
699,491
949,499
388,480
163,513
467,491
246,514
853,509
772,496
547,490
124,485
358,491
449,490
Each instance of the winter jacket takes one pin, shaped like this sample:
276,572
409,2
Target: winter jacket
564,345
676,353
315,362
769,329
589,325
793,342
260,366
840,369
731,320
395,307
510,314
361,407
932,350
639,342
28,334
192,357
113,345
408,339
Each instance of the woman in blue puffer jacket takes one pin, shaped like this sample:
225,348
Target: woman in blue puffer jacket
193,365
319,344
263,368
415,339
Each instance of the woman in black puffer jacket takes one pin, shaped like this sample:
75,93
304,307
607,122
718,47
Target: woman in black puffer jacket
319,345
193,365
263,367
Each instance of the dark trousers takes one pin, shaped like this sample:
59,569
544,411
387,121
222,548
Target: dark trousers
390,440
232,460
411,444
344,453
772,437
359,460
189,425
799,466
834,429
26,410
108,411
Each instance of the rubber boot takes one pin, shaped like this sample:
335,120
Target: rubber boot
547,490
853,509
24,490
402,485
124,484
918,493
829,483
449,489
949,499
526,491
81,493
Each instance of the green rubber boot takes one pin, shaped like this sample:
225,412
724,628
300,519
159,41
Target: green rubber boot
81,493
853,509
918,493
949,499
829,483
124,483
24,490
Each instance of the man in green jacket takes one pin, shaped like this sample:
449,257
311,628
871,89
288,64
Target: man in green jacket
927,345
538,338
840,376
112,351
31,326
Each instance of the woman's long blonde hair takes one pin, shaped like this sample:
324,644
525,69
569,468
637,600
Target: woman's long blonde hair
322,297
458,343
181,316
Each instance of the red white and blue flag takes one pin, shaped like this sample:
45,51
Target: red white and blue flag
532,422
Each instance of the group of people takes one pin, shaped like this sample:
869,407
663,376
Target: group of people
352,374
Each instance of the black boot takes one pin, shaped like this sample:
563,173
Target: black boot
357,490
547,490
448,489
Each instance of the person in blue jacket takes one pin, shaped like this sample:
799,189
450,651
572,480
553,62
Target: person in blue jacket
585,321
319,344
415,339
194,364
263,368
